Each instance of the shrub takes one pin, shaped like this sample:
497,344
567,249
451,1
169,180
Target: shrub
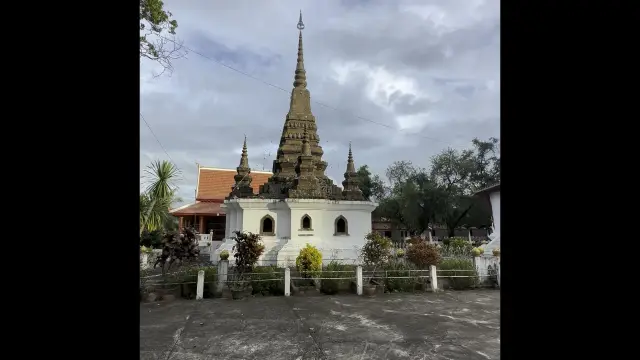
423,254
459,283
400,253
376,250
334,270
178,248
397,269
248,250
267,280
446,242
309,261
477,251
459,242
151,239
224,255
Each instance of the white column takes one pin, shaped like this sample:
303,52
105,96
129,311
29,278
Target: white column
433,272
227,222
200,285
287,282
359,280
223,266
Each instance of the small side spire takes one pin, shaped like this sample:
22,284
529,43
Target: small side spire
244,159
351,191
242,187
351,167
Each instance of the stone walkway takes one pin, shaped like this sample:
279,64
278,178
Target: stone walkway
446,325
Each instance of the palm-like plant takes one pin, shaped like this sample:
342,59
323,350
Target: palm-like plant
159,194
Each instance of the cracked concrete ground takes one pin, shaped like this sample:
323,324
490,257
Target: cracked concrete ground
447,325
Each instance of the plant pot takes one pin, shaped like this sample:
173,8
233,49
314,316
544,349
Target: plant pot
369,290
238,294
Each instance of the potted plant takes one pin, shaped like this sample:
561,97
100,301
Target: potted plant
375,252
238,286
224,255
477,251
248,250
496,252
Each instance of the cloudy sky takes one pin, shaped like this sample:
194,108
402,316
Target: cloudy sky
427,70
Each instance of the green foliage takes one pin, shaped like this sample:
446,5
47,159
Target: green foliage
333,270
309,261
151,239
224,255
372,186
160,193
191,274
469,277
248,249
397,269
423,254
376,250
156,26
267,280
477,251
419,198
457,247
145,250
178,249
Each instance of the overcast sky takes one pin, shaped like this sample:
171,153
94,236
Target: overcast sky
429,70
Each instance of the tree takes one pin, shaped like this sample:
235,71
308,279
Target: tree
372,187
159,194
157,35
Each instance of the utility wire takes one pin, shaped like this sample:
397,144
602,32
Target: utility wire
155,137
287,91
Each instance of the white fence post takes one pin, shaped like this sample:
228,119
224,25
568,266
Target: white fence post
200,286
359,280
223,267
144,263
433,272
498,272
287,282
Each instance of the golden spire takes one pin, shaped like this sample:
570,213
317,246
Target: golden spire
300,79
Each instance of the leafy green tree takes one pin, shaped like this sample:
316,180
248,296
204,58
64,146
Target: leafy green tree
372,187
157,35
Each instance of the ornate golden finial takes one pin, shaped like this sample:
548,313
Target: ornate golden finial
300,79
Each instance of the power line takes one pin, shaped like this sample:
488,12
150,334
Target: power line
158,140
287,91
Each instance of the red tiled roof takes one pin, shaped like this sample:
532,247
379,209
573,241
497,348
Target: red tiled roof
201,208
215,184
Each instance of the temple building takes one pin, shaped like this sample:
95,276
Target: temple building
298,204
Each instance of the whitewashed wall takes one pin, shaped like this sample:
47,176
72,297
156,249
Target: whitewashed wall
284,246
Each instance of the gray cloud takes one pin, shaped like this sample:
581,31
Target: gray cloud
430,70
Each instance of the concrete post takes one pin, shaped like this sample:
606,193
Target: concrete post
359,280
144,262
223,267
200,286
433,272
498,272
287,282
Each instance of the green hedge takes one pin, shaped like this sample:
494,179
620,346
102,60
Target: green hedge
402,269
459,283
275,287
332,286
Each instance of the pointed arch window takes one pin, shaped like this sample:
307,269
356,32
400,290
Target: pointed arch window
305,222
341,226
267,226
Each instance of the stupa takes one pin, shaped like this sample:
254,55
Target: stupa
299,204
